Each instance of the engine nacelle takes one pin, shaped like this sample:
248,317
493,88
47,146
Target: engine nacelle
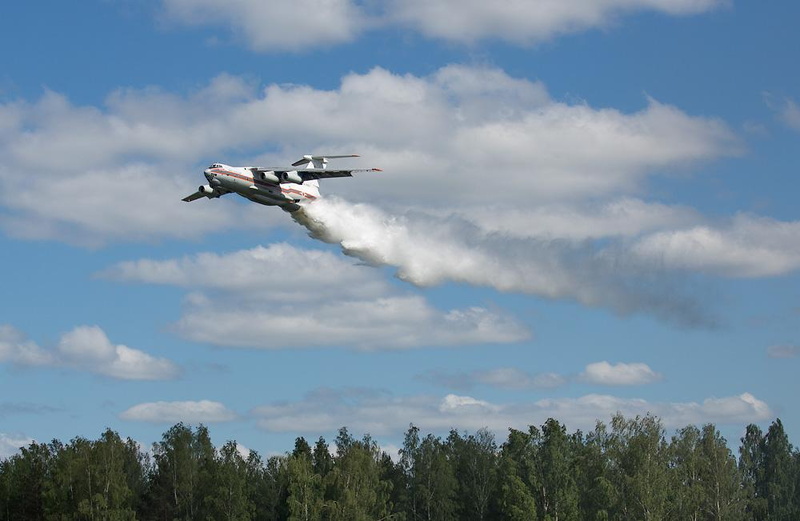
270,176
291,177
208,191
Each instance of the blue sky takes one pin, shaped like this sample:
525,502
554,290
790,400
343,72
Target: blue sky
585,208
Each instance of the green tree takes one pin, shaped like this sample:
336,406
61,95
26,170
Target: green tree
474,460
183,475
557,491
639,458
686,488
598,494
305,487
301,447
358,492
778,479
26,475
434,481
721,482
408,454
515,500
229,498
751,468
518,454
321,458
272,490
394,479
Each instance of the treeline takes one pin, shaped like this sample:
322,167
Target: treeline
627,470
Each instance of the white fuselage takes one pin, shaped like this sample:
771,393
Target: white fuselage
257,187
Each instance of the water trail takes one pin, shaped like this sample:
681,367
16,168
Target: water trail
430,250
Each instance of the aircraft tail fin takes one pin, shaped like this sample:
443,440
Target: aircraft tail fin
309,161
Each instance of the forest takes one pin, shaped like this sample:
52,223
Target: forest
628,469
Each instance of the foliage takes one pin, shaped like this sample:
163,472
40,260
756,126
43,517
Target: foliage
627,470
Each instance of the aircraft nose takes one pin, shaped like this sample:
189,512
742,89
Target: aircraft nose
208,173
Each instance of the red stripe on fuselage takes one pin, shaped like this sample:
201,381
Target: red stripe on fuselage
263,183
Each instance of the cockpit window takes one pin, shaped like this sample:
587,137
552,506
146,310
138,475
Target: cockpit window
216,165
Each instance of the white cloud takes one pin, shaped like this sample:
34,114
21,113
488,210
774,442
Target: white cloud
17,349
88,348
296,25
748,246
11,443
618,218
520,157
604,373
476,121
526,22
108,204
274,25
276,269
281,297
380,413
203,411
394,322
97,167
85,348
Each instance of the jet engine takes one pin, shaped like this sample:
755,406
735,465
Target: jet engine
291,177
208,191
270,176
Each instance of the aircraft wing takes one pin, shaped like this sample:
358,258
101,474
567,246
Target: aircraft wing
326,173
276,174
195,196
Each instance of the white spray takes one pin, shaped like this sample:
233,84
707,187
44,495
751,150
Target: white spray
429,250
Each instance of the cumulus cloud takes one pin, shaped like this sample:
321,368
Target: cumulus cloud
275,25
281,311
85,348
381,413
18,350
543,202
476,121
11,443
88,348
116,155
396,322
747,246
604,373
203,411
614,219
526,22
274,270
296,25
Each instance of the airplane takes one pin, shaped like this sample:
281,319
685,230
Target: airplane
287,187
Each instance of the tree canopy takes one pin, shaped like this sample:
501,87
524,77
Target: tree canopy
627,470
